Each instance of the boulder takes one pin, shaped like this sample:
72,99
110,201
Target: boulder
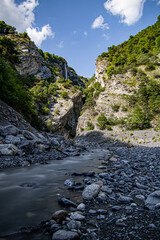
91,191
65,235
8,150
77,216
60,215
153,199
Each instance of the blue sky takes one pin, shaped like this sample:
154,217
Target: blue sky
79,30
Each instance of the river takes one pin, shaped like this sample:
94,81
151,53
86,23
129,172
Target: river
29,195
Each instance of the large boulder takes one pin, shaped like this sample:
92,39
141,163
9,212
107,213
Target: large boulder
91,191
8,150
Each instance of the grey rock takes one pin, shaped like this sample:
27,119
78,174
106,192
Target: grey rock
81,207
90,191
28,135
9,130
153,199
65,235
69,182
8,150
140,199
77,216
67,202
74,225
12,139
106,189
124,199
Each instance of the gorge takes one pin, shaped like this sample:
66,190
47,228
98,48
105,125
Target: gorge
79,157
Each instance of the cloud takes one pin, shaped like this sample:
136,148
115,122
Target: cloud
61,44
129,10
22,17
85,34
158,3
39,36
74,32
99,23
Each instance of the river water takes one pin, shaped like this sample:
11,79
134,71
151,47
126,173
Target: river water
29,195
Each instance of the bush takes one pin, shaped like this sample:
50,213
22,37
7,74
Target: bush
115,107
150,67
102,122
143,59
64,95
90,126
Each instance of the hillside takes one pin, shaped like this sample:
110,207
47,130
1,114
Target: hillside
39,85
125,91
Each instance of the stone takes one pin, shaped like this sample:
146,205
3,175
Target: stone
113,159
69,182
106,189
67,202
140,199
153,199
77,216
65,235
116,208
9,130
124,199
28,135
81,207
60,215
91,191
12,139
74,225
55,227
8,150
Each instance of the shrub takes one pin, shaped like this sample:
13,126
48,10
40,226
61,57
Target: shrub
90,126
143,59
150,67
102,122
115,107
64,95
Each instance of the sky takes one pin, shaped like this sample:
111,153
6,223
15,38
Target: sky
79,30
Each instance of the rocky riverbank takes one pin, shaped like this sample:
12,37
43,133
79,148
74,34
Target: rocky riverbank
120,201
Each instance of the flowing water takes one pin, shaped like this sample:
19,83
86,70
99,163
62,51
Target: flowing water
29,195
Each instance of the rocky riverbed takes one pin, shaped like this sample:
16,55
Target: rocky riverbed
120,201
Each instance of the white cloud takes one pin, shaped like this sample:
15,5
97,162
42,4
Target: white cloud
74,32
39,36
22,17
99,23
61,44
85,34
129,10
158,2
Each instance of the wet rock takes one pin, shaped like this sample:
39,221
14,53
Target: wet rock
91,192
74,225
77,216
8,150
13,139
60,215
69,182
89,173
153,199
66,202
65,235
120,222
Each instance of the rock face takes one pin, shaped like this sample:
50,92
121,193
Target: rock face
65,122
